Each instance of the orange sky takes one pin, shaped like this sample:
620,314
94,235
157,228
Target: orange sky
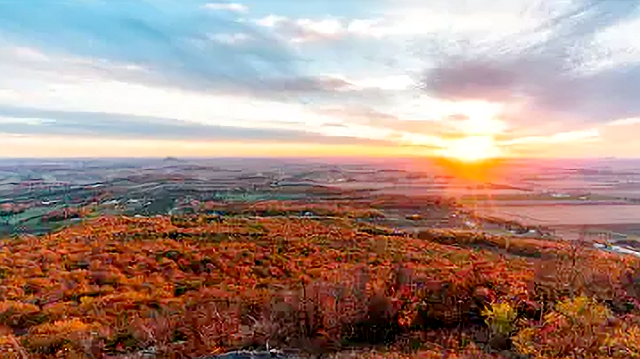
50,146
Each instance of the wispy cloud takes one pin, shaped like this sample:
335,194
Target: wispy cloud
561,137
235,7
625,122
26,121
301,30
231,39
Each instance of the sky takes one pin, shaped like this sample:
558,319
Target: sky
522,78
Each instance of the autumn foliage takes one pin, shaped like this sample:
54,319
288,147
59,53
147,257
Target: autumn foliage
183,287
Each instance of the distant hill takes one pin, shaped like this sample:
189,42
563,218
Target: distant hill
172,159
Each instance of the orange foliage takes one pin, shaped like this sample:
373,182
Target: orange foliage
200,285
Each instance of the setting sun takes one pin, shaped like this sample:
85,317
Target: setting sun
472,149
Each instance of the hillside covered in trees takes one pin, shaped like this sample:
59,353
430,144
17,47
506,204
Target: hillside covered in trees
188,286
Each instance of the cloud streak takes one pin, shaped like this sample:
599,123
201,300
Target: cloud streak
234,7
26,121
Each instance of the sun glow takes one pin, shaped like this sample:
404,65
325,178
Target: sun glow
472,149
477,142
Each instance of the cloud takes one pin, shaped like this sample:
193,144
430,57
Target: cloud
271,20
231,39
408,19
426,132
389,83
625,122
164,44
562,137
560,77
471,80
302,30
235,7
28,121
159,44
20,122
122,98
23,121
362,115
171,41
